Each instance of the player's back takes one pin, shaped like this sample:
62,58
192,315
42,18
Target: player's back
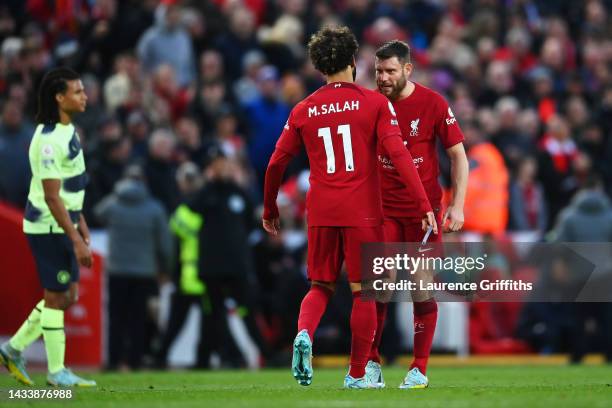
337,125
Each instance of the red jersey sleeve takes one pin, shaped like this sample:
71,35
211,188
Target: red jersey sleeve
447,128
290,141
288,145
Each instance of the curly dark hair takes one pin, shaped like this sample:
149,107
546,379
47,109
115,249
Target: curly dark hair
54,82
394,48
332,49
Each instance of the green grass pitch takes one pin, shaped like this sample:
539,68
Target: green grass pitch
551,387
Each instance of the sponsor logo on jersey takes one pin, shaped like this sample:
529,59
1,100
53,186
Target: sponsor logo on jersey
414,126
385,162
450,120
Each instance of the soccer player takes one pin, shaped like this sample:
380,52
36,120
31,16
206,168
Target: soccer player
54,226
340,126
424,117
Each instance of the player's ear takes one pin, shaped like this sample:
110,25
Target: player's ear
408,68
59,97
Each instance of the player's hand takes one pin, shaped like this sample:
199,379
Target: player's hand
84,231
271,226
430,219
454,215
83,253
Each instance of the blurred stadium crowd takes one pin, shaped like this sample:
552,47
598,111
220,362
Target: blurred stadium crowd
184,94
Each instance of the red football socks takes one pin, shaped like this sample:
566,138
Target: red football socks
312,308
425,317
381,315
363,327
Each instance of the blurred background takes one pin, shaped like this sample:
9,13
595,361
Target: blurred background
188,97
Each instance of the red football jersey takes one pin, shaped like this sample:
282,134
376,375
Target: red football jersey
423,116
340,126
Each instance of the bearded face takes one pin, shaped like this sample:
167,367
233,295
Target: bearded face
391,77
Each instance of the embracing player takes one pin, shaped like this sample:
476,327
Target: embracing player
424,117
340,125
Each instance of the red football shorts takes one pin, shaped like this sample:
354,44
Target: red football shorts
328,247
410,230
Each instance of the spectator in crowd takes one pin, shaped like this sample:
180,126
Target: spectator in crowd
237,41
211,66
189,290
589,216
245,88
89,120
358,15
15,135
266,117
225,262
528,208
108,159
508,139
166,87
137,127
282,43
167,42
189,147
556,158
210,100
565,326
139,250
231,142
160,168
486,201
588,219
124,80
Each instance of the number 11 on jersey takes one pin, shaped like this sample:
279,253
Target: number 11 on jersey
345,132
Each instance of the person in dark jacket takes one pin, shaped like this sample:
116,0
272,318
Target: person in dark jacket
225,259
160,169
589,219
185,226
15,137
138,249
548,325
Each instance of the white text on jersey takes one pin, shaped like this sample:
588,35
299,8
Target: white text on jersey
336,107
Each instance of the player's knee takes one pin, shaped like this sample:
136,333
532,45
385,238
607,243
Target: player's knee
55,300
65,300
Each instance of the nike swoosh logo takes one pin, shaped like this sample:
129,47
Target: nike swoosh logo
424,249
